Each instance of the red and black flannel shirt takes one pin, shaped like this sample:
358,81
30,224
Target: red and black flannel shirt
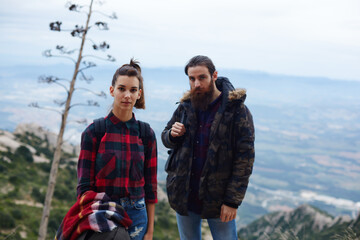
118,165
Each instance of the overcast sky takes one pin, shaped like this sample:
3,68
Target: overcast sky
306,38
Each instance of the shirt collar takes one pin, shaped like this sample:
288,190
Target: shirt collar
132,123
216,101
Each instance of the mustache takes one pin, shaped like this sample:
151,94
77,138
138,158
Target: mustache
192,91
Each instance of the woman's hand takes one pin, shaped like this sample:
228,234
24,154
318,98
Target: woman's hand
148,236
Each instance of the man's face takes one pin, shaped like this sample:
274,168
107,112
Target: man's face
202,86
200,79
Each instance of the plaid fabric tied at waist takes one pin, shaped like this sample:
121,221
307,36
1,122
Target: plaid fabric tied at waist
92,211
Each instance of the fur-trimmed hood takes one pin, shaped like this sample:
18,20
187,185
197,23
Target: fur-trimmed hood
227,89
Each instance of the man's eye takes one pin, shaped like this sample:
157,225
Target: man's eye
121,89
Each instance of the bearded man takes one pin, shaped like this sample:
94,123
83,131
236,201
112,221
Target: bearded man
211,140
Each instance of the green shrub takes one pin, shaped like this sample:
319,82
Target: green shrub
37,195
14,179
46,167
3,168
6,221
17,214
15,235
64,192
24,153
14,193
56,218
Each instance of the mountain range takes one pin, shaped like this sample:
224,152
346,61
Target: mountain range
25,157
307,129
305,222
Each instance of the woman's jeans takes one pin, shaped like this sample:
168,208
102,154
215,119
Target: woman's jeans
190,227
136,209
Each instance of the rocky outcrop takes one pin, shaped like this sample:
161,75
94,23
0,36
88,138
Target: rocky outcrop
302,222
43,134
8,141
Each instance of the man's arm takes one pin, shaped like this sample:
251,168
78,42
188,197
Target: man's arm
174,130
244,155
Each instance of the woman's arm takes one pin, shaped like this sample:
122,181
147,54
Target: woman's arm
150,169
150,209
86,163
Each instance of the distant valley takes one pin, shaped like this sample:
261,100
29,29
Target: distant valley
307,130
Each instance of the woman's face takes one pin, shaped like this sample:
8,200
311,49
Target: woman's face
125,92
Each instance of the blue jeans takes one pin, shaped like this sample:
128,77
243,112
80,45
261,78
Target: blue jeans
190,227
136,209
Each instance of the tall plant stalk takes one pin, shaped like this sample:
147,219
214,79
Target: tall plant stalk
57,154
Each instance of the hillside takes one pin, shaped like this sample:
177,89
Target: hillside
307,130
25,164
24,170
304,222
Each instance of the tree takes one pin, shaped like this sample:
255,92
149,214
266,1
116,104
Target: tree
79,32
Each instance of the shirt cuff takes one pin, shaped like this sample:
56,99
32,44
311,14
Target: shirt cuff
151,200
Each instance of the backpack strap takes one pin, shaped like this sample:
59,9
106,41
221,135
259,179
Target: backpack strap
100,129
144,130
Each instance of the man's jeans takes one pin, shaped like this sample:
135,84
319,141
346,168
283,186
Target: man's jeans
190,227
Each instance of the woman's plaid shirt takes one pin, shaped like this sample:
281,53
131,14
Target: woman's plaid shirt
118,164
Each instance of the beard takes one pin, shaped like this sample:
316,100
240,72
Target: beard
201,100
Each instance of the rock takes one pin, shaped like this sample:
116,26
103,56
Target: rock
43,134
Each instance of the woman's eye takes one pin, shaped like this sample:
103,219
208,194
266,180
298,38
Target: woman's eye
133,90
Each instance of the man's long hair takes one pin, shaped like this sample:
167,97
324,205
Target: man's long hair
200,60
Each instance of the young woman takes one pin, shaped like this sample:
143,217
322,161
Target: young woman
121,162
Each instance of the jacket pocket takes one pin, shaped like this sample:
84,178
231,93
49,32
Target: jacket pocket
169,166
139,204
215,189
176,189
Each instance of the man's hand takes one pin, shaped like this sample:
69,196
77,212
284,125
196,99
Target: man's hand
177,129
227,213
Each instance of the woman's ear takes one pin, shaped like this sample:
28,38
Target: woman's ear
139,93
111,90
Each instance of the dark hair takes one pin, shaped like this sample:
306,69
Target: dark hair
132,70
200,60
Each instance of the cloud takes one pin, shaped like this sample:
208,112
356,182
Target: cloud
307,38
24,93
30,115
